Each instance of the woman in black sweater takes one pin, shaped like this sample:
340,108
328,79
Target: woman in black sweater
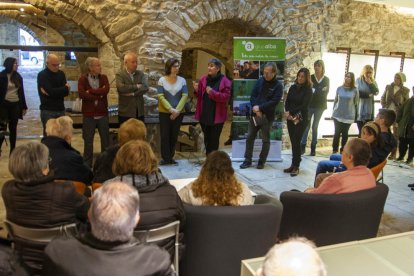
296,107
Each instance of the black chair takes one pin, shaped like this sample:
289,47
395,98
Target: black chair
217,238
333,218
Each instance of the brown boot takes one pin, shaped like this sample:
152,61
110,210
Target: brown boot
295,171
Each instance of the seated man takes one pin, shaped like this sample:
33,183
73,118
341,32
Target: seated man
111,248
355,157
297,256
385,118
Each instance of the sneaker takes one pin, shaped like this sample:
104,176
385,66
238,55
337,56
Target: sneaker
260,165
246,164
288,170
295,171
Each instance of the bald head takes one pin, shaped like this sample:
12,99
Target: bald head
52,62
131,61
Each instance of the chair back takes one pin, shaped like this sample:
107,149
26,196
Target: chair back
163,233
377,171
30,242
217,238
333,218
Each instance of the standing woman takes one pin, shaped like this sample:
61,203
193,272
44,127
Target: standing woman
395,95
345,110
12,100
172,96
296,106
213,93
317,105
367,88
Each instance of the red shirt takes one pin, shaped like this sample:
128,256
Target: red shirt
94,103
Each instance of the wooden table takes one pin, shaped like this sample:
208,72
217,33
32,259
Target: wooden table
384,256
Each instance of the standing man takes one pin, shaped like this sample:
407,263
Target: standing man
131,85
52,88
265,96
93,90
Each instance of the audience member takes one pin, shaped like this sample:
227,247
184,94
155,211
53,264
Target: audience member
265,96
253,73
110,248
355,157
66,162
297,109
317,105
33,199
172,96
405,120
131,85
136,164
294,257
217,184
52,88
385,119
367,88
395,95
93,89
132,129
345,110
213,92
12,100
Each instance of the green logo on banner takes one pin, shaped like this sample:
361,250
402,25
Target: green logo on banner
261,49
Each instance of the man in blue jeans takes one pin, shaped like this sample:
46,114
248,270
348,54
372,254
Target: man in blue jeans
52,88
265,96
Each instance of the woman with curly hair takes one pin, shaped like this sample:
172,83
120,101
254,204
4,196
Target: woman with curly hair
216,185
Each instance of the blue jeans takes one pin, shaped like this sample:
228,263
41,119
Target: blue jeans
46,115
317,114
332,165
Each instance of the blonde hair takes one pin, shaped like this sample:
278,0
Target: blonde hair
135,157
132,129
217,184
61,127
365,69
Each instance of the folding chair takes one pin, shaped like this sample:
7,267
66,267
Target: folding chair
162,233
378,171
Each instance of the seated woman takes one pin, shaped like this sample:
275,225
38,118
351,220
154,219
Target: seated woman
136,164
371,132
33,199
66,163
132,129
217,185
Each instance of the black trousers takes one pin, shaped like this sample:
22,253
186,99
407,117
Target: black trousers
10,113
169,130
406,143
340,129
295,135
122,119
211,136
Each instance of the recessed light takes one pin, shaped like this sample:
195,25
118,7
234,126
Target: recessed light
21,9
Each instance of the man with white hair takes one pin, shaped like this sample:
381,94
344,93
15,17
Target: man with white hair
93,89
131,85
110,249
52,88
296,256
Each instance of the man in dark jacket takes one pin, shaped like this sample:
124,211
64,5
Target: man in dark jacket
265,96
52,88
110,248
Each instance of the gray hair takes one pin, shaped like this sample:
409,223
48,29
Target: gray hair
114,211
89,61
271,65
28,160
296,256
60,127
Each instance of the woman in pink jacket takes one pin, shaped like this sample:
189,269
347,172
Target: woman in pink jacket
213,93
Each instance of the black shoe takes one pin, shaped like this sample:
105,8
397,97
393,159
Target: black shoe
334,151
163,162
412,189
411,185
288,170
295,171
409,161
246,164
313,151
228,142
302,149
173,162
260,165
